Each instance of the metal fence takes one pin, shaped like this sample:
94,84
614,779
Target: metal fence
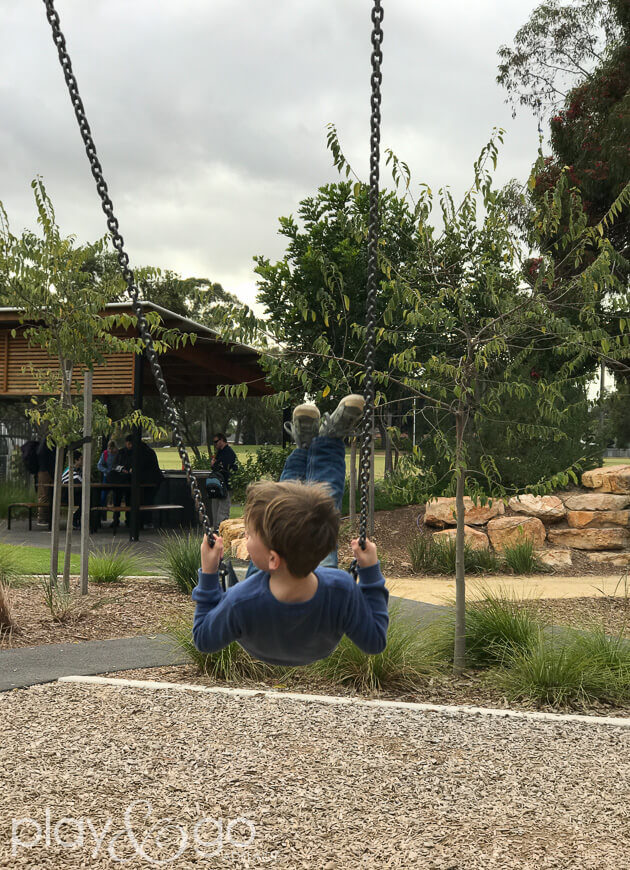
12,435
617,452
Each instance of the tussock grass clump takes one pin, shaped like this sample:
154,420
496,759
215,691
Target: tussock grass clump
10,564
181,558
569,669
497,626
229,665
9,573
407,661
7,623
438,557
62,603
520,558
111,565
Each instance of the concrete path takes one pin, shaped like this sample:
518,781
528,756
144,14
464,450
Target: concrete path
28,666
441,590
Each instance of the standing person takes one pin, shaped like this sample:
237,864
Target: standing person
223,461
45,476
107,461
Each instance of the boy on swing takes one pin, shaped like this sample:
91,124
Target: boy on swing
295,605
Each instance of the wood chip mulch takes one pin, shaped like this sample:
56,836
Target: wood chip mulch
315,786
138,606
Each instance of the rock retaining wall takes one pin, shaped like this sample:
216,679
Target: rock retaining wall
594,520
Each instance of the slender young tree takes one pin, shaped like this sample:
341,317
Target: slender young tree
61,297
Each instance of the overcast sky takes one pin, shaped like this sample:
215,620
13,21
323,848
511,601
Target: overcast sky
209,115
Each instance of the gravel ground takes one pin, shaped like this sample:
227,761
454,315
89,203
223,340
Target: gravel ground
319,786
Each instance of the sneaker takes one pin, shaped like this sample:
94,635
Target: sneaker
344,419
305,425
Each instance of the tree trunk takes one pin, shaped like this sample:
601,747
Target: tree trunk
389,465
86,490
459,653
65,367
68,552
56,516
209,430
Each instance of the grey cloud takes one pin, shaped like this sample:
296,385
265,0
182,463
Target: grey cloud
210,117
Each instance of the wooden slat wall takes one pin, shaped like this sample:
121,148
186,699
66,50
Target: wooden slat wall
115,378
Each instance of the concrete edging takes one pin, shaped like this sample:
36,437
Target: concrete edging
453,710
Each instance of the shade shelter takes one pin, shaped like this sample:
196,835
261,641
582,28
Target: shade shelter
191,370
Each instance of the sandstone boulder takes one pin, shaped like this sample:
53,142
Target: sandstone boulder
594,501
508,531
609,478
441,512
555,558
610,560
231,529
475,539
591,539
545,507
239,549
598,519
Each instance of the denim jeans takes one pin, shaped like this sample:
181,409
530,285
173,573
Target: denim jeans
323,462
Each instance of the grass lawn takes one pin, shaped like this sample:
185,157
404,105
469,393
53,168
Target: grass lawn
617,460
36,560
168,457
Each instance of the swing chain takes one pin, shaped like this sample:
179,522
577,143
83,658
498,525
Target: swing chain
372,267
123,260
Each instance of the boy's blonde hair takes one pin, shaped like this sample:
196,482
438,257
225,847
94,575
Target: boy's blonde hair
297,520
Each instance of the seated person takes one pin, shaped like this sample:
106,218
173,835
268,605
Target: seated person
149,473
108,460
295,608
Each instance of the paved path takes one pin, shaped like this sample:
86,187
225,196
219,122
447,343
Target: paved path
29,666
441,590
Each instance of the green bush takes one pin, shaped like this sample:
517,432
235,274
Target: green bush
14,491
438,557
181,559
406,662
268,463
111,565
520,558
570,668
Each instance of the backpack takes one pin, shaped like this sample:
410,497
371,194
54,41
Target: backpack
29,456
215,485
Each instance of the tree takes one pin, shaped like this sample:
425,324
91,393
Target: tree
61,297
573,62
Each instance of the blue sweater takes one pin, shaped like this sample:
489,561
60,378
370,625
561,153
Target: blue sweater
296,633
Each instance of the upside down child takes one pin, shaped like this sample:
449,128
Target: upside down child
295,605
